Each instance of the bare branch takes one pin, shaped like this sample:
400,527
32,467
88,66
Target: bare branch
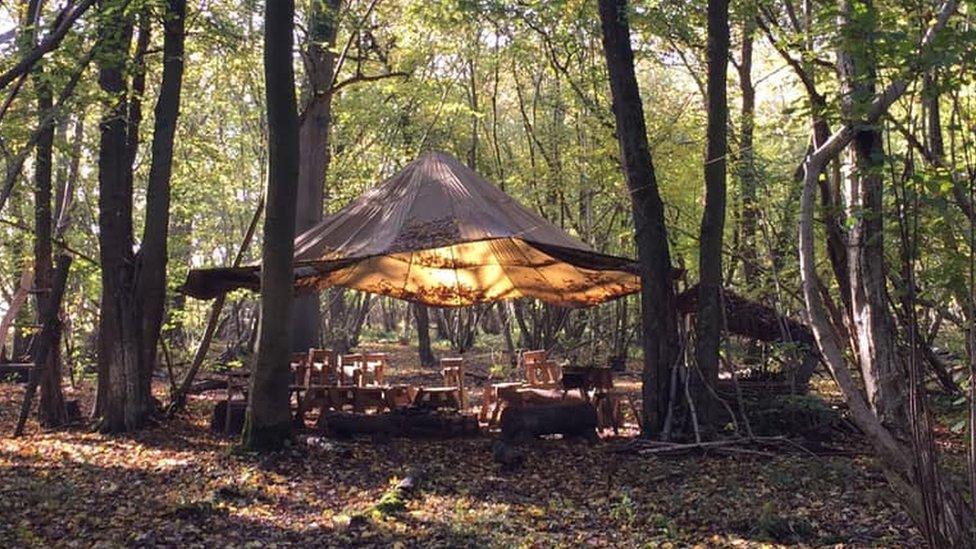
367,78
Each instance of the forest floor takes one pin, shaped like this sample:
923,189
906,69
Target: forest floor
178,484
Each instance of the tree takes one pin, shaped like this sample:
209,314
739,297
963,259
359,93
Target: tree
881,365
51,409
710,308
123,401
421,315
912,470
747,155
315,123
268,421
659,324
153,254
133,284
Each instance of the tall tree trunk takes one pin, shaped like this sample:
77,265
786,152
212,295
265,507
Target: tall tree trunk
710,313
422,317
881,366
659,324
123,400
51,410
747,155
153,254
313,142
268,421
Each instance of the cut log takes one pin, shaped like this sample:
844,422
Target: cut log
411,423
569,420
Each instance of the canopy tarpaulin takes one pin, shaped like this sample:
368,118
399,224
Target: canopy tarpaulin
440,234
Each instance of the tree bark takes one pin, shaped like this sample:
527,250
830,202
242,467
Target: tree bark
268,421
659,324
420,314
881,366
747,158
313,142
709,320
51,410
153,253
123,398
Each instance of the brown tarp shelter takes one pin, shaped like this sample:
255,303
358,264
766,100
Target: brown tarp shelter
440,234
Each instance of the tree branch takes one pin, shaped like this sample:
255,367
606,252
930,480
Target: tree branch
366,78
13,168
67,17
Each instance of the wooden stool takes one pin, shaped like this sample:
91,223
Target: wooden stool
299,368
539,370
321,364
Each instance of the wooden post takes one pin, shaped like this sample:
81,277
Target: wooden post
51,325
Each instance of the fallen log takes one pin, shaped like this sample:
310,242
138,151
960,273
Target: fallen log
207,385
408,422
571,419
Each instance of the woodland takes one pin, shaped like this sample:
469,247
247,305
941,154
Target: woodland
791,186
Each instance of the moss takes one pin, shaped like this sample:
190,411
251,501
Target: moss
392,502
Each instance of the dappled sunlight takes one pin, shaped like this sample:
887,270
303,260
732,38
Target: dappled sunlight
180,484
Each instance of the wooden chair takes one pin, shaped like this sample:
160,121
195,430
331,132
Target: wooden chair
369,398
453,371
333,398
321,366
491,401
526,395
451,394
610,409
400,396
237,384
374,368
299,368
350,370
539,370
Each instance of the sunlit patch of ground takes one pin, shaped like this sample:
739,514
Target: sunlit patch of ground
179,485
